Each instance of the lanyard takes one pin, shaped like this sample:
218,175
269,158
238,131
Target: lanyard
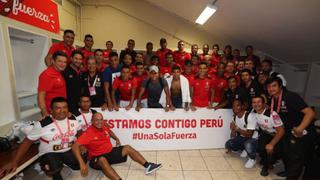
94,82
84,118
279,103
59,129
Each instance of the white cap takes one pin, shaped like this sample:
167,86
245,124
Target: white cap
154,68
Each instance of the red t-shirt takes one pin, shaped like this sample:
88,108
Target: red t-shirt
201,92
104,65
165,69
106,54
139,80
219,85
216,58
85,54
96,141
212,71
202,56
125,87
190,77
132,68
52,82
181,57
61,47
161,53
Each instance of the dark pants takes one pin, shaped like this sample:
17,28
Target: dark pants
236,143
176,101
268,159
52,163
251,146
297,151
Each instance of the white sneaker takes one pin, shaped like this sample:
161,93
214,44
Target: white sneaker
244,154
250,163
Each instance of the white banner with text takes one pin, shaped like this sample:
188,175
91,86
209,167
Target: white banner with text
155,129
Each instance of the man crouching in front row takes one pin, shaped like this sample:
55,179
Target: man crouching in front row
101,153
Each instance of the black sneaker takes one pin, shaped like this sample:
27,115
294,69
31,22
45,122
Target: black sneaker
264,171
152,168
282,174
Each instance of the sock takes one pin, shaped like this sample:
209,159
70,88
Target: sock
146,164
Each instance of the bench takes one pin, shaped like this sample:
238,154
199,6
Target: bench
7,156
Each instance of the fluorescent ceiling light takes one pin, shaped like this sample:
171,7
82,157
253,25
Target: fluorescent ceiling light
206,14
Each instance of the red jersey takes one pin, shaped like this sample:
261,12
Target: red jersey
201,92
103,66
219,85
97,141
202,56
181,57
85,54
165,69
132,68
52,82
125,87
61,47
216,58
139,80
212,71
161,53
190,77
106,53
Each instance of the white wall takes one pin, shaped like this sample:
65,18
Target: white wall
8,103
27,59
120,20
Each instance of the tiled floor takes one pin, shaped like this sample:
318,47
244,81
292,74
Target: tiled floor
212,164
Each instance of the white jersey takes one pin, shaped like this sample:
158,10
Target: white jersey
249,124
51,140
268,122
84,119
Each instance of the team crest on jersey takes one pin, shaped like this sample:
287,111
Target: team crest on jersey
129,86
70,76
72,125
52,129
236,96
266,120
251,89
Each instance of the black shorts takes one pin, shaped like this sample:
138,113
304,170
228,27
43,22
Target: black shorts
113,157
52,163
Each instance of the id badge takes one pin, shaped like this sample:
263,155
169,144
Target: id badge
92,91
65,143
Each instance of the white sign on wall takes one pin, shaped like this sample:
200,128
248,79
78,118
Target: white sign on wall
155,129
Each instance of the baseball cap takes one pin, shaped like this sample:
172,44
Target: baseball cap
154,68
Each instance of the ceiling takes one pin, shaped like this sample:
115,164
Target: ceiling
288,30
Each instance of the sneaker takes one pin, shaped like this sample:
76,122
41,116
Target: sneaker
152,168
250,163
244,154
264,171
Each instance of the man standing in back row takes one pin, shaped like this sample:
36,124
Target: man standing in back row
65,46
